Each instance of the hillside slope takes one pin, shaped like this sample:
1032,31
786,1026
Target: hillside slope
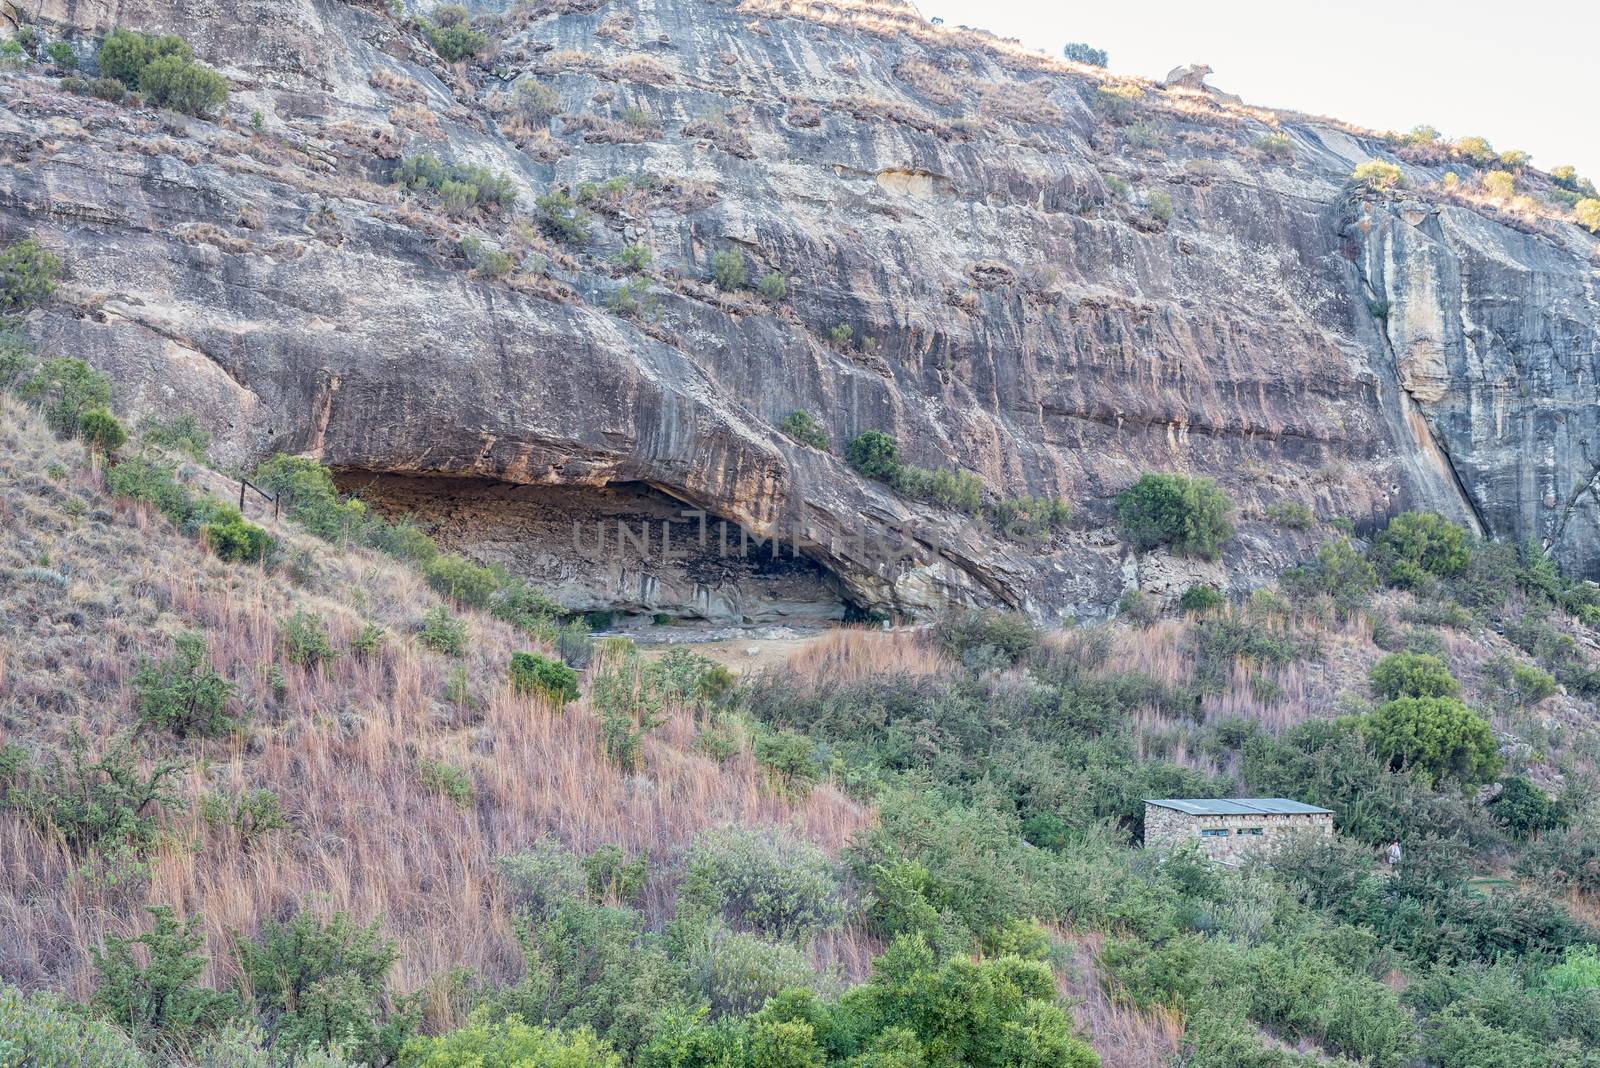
1031,271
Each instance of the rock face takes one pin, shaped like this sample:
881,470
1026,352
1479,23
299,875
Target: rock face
992,228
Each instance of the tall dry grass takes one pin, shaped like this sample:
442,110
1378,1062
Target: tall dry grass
1124,1036
339,745
855,654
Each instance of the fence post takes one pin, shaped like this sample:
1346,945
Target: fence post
241,496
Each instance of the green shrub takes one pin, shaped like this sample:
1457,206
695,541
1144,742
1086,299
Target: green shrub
1524,809
108,89
874,454
308,495
461,580
182,433
562,217
774,286
101,431
535,101
1192,516
1275,146
1378,174
982,638
635,256
448,781
233,539
1029,518
736,973
510,1042
1157,203
960,491
1531,684
160,1003
1412,675
610,877
125,54
101,803
28,275
17,363
540,878
790,757
728,270
443,633
1438,737
62,55
470,185
65,389
42,1031
1339,573
762,881
535,674
1292,515
322,984
1201,598
151,482
184,86
251,814
183,694
1148,136
842,336
1079,52
1587,212
1415,545
806,430
634,299
305,640
452,35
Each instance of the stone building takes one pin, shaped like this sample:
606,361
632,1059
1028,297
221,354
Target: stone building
1228,829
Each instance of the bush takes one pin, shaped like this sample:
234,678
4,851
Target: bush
1416,545
1030,518
806,430
1275,146
183,694
469,185
1079,52
1339,573
125,54
322,984
42,1031
960,491
150,482
728,269
842,336
62,55
1587,212
790,756
1378,175
534,674
461,580
765,882
1524,809
539,879
774,286
510,1041
443,633
535,101
235,540
446,780
1201,598
1438,737
28,275
65,389
456,40
874,454
562,217
634,256
183,86
1192,516
305,640
108,89
182,433
736,973
252,814
1412,675
307,493
107,802
101,431
980,639
160,1003
1158,202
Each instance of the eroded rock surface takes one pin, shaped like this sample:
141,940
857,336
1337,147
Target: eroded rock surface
979,218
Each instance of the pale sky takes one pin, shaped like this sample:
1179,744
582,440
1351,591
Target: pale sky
1523,75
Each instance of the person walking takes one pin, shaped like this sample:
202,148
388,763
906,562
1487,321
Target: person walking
1394,854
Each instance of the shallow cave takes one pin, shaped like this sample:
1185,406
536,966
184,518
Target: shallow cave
626,548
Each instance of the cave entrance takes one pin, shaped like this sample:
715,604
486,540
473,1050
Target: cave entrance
627,549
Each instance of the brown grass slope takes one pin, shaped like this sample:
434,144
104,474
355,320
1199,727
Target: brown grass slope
88,586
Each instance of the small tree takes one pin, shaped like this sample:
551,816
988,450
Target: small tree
806,430
183,694
102,432
1191,515
1378,175
728,269
1079,52
161,1003
1412,675
1524,809
1416,545
1438,737
535,674
874,454
65,389
28,274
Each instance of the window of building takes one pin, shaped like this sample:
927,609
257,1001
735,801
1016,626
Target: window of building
1214,832
1251,830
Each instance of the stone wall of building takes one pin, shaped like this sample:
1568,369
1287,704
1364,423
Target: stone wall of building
1165,828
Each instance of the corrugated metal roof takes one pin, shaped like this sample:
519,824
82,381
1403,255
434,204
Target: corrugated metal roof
1235,806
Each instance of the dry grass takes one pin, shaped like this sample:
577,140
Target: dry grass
853,654
1124,1036
339,745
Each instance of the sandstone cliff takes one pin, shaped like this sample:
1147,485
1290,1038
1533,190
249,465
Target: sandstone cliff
988,223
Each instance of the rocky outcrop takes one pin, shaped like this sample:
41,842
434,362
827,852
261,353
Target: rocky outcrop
1019,302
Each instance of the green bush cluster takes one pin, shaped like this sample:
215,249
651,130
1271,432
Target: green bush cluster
460,186
562,217
551,679
1378,174
803,428
184,694
452,35
28,274
163,69
1189,515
